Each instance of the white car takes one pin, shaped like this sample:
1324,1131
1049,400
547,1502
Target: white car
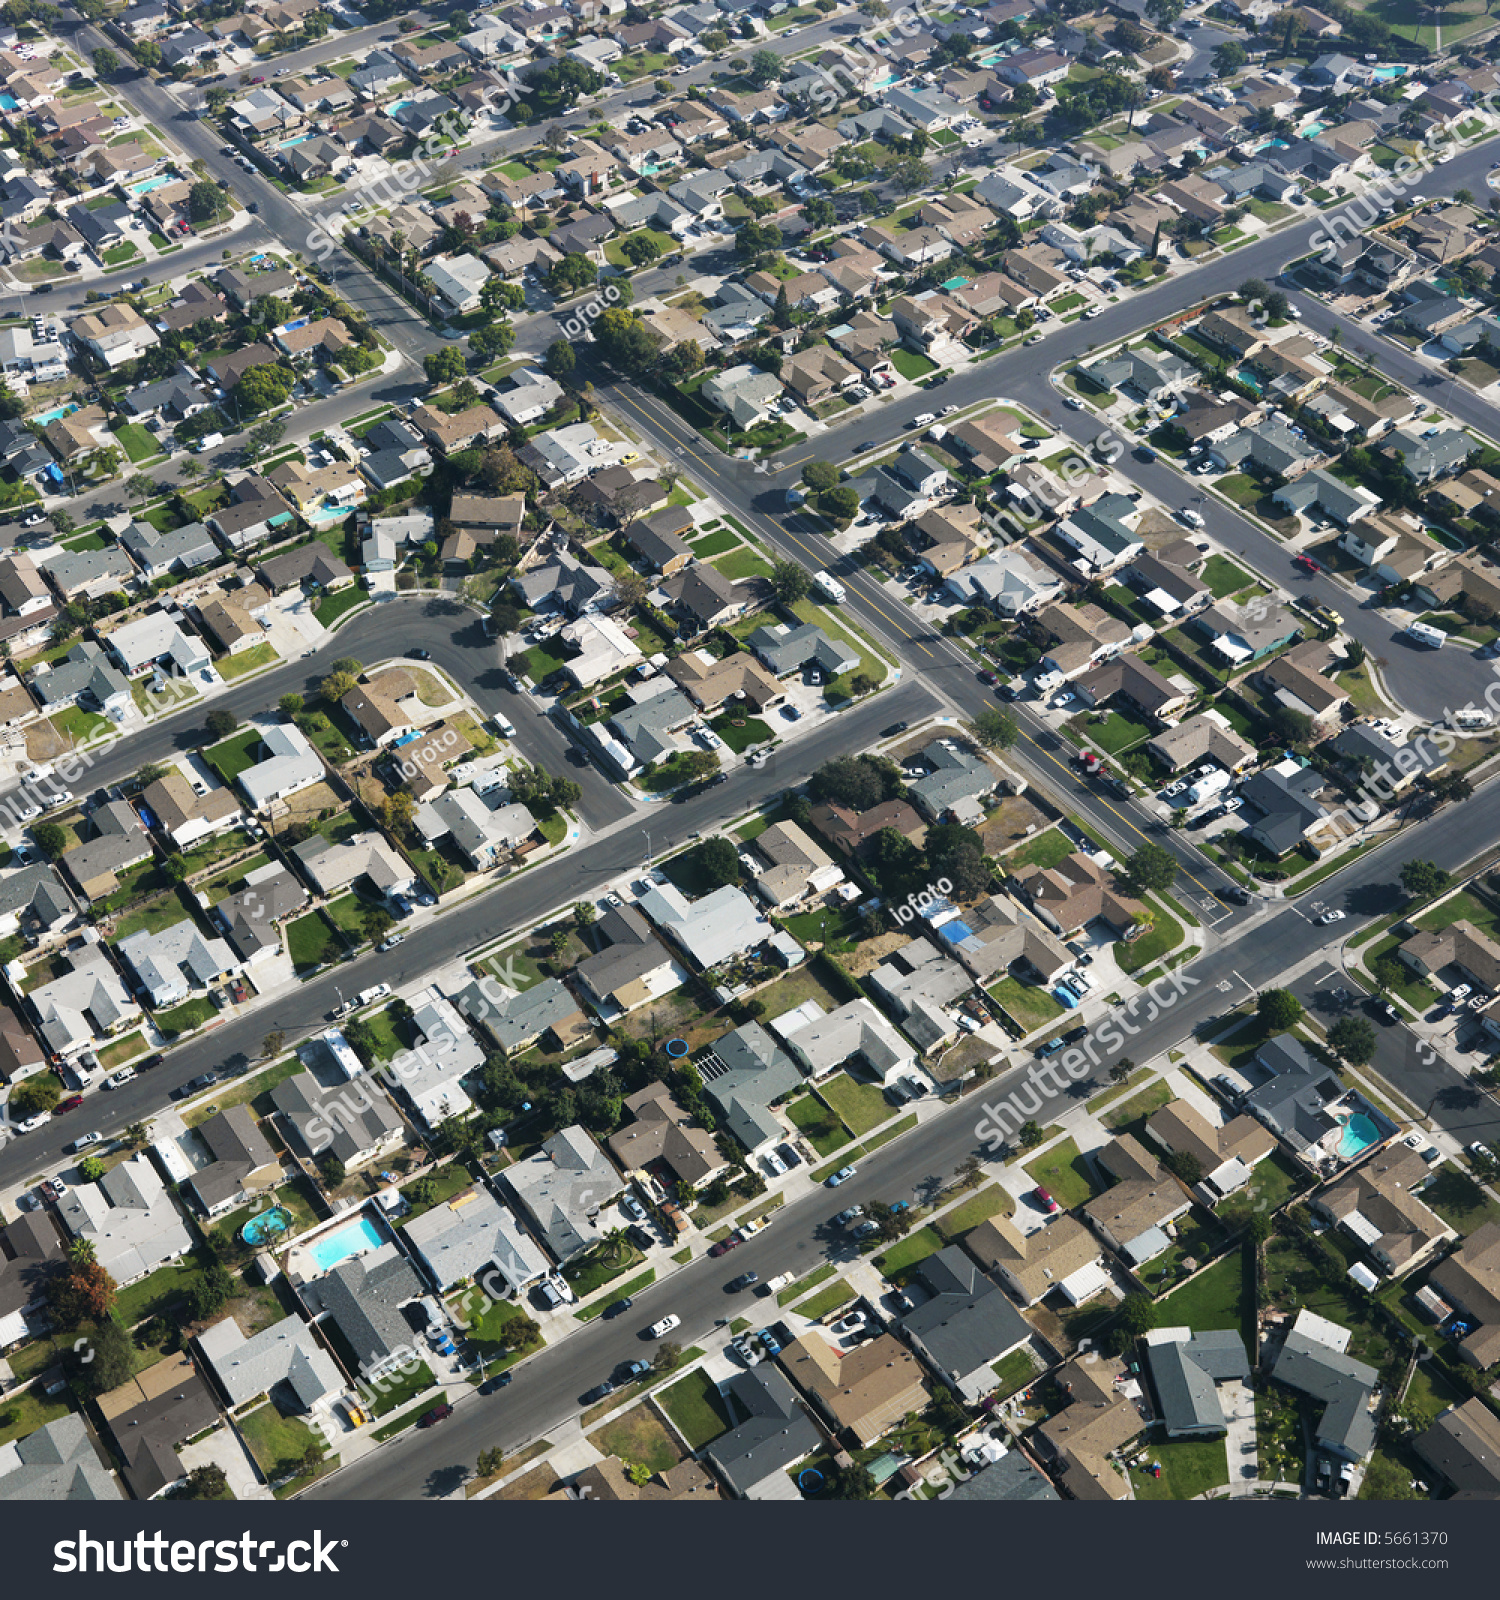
849,1324
61,798
1073,403
1191,517
31,1124
1330,916
118,1080
665,1326
84,1140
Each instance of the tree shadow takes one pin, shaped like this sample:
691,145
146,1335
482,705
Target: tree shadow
444,1481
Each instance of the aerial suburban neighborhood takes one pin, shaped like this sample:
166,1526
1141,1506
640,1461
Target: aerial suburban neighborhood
747,752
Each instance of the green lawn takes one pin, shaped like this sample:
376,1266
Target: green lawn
818,1125
308,938
279,1444
1044,850
235,755
826,1300
907,1252
743,564
1165,936
400,1388
1138,1107
138,442
697,1408
1188,1468
990,1201
332,606
156,1292
592,1271
806,1285
1031,1007
634,1287
184,1018
1115,733
910,365
1063,1172
860,1105
258,655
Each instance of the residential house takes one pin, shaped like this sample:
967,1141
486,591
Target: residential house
752,1458
959,780
1187,1370
117,840
287,764
745,1074
473,1238
1132,1217
1287,797
664,1139
861,1392
286,1357
130,1219
1062,1256
242,1163
564,1186
1378,1204
363,1297
631,969
1313,1362
1077,891
966,1325
856,1029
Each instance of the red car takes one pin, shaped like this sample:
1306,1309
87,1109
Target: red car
1044,1200
1308,563
72,1103
724,1246
990,678
257,80
438,1414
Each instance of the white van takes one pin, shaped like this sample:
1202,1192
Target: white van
209,441
506,726
1423,633
829,588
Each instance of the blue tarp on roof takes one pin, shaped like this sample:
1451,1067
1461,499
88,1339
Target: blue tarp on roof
956,932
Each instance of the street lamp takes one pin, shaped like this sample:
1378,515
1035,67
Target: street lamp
647,832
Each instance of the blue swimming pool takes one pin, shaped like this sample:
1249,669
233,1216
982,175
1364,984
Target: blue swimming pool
1358,1135
8,102
146,185
1385,74
286,144
353,1240
56,414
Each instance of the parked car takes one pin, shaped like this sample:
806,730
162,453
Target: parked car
1044,1199
84,1140
632,1208
31,1124
850,1324
866,1229
744,1281
497,1383
639,1237
843,1175
848,1215
600,1391
118,1080
71,1103
618,1307
659,1330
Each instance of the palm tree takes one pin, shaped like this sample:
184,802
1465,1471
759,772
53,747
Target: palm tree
398,238
190,468
81,1252
140,487
613,1244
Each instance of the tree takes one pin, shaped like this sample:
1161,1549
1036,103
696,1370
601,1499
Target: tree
263,388
789,582
755,239
572,274
491,1462
51,839
1352,1040
1454,786
221,723
969,1172
819,213
1030,1135
1121,1070
640,249
207,1297
106,62
265,436
290,706
908,174
1138,1314
205,201
1164,12
766,68
32,1096
840,503
81,1291
820,475
718,861
957,854
376,922
1424,880
106,1360
445,365
1229,58
91,1169
893,1224
494,341
623,340
331,1169
208,1482
336,685
559,361
1150,868
667,1356
1279,1009
272,1044
994,728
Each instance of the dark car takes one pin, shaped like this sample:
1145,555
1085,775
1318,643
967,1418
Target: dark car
204,1080
439,1413
894,729
744,1281
1051,1048
619,1307
1007,691
497,1383
724,1246
937,382
1073,1035
859,449
600,1391
150,1061
1237,893
639,1237
715,781
419,655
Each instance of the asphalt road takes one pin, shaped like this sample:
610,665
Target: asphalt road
548,1385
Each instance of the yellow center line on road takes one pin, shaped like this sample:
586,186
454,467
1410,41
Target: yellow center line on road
687,447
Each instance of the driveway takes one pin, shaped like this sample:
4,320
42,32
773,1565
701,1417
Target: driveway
1241,1442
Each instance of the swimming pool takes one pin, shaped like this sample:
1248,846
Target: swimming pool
266,1225
55,415
1358,1135
1385,74
286,144
1313,129
8,102
148,184
353,1240
395,106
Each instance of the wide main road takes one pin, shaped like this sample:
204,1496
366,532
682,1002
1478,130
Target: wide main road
548,1386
